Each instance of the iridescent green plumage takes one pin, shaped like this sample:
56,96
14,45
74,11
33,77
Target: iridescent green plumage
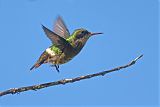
56,49
64,46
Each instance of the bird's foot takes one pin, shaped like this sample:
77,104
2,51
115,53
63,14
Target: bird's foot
57,67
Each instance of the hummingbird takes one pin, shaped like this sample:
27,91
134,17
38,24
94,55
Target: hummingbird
64,46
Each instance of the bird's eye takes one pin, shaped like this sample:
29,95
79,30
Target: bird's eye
82,32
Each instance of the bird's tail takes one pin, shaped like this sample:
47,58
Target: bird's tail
36,65
43,58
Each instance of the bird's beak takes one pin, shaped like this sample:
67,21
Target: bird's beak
95,34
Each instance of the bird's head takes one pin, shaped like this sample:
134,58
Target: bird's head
83,34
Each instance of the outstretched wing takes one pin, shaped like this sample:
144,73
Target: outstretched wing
57,40
60,28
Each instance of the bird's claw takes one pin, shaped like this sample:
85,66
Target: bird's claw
57,67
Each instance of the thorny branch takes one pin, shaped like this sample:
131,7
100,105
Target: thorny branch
64,81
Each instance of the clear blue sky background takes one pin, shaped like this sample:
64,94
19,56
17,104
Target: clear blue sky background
130,28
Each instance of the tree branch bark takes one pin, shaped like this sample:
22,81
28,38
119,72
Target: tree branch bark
64,81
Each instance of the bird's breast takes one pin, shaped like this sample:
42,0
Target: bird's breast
57,58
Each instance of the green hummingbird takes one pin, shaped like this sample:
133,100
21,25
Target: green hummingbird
64,46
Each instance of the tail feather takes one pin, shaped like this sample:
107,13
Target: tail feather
44,56
36,65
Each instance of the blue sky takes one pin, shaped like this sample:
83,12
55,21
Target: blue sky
130,28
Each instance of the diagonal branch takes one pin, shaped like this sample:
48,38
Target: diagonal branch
64,81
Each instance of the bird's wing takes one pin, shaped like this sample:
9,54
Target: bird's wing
60,28
59,41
